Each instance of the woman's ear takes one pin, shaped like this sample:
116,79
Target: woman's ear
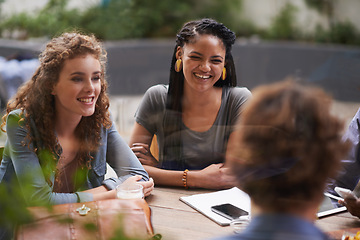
178,52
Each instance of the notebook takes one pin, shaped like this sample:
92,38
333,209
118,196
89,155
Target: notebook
203,202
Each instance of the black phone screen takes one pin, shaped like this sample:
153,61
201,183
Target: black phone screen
229,211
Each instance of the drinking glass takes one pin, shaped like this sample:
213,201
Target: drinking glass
239,224
129,191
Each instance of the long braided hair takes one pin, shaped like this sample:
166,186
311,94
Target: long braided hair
173,113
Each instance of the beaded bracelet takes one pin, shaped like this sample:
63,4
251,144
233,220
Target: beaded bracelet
184,179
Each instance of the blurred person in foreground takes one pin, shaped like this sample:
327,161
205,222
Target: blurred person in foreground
194,116
286,146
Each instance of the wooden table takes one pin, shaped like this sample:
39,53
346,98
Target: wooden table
175,220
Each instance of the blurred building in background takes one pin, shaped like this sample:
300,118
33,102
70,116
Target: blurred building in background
136,64
261,12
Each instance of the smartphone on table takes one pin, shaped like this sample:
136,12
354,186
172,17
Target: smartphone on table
345,193
229,211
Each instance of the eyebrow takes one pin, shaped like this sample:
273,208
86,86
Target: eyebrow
81,73
216,56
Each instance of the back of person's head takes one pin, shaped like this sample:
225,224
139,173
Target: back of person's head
287,144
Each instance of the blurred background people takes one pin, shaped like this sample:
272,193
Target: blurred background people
14,71
350,172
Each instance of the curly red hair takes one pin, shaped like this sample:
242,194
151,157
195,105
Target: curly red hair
37,102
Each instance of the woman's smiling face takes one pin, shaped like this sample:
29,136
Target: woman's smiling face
78,87
203,60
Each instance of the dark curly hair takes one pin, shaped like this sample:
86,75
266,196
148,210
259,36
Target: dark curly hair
287,145
173,112
38,104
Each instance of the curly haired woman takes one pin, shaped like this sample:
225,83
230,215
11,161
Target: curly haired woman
59,131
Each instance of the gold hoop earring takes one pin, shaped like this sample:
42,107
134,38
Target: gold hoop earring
178,65
223,75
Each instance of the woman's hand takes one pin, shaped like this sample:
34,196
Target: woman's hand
142,151
215,176
352,205
148,186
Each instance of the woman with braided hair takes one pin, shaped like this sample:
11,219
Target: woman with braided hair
59,131
193,116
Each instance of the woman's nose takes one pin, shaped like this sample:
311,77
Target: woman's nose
89,86
205,66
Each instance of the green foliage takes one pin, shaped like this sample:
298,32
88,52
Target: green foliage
50,21
120,19
153,18
157,237
125,19
15,198
225,11
13,205
340,32
283,26
322,6
245,28
91,227
129,19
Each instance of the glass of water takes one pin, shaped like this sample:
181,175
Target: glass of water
129,191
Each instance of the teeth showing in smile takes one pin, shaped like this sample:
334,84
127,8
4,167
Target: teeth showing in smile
86,100
202,76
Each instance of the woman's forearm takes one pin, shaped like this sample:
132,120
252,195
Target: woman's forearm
165,177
